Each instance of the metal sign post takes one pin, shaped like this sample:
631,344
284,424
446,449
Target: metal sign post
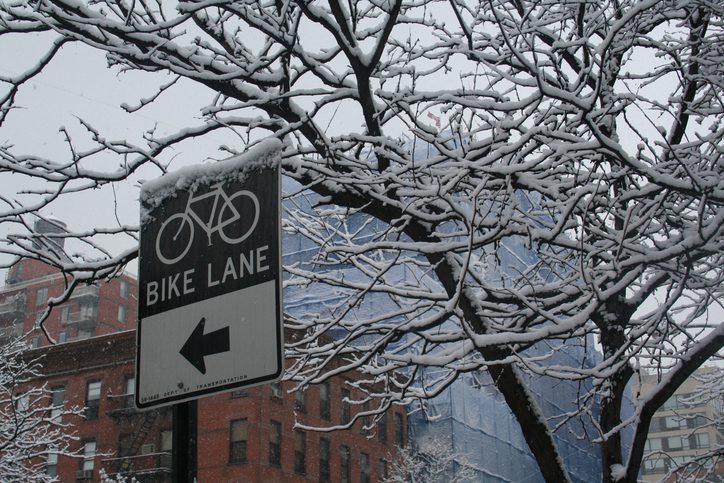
209,288
184,450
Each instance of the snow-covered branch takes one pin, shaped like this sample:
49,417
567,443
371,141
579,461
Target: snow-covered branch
471,186
33,426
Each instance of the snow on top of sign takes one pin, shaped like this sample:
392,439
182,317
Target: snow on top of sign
153,192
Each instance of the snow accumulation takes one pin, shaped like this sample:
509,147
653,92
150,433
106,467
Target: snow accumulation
266,154
618,472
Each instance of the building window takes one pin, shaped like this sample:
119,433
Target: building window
41,296
276,390
166,448
22,403
382,470
65,313
38,319
16,274
324,406
700,441
89,456
344,467
696,421
129,388
364,427
92,399
345,413
87,312
125,442
62,336
399,431
166,440
51,464
237,441
679,401
239,393
364,468
382,429
323,459
653,444
57,399
275,443
300,403
35,342
300,452
674,422
122,313
675,443
129,391
124,289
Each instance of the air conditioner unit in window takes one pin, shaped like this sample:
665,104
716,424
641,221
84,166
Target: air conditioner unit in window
148,448
81,475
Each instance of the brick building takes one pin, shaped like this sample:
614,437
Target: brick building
98,373
96,309
244,435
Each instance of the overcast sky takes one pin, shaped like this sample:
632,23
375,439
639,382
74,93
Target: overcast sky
78,84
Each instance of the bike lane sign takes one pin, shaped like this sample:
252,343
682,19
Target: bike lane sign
210,279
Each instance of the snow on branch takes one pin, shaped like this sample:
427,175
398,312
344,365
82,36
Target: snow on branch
518,188
33,427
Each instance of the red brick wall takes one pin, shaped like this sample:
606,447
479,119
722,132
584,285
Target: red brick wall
259,407
36,275
110,359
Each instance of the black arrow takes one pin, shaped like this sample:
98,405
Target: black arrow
199,345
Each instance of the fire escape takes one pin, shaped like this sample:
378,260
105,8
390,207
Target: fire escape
139,456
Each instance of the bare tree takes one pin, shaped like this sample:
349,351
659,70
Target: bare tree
507,175
33,431
117,478
432,461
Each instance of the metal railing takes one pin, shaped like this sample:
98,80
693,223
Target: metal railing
80,317
85,291
144,464
12,305
121,404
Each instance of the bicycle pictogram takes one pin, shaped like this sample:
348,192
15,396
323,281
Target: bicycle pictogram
176,234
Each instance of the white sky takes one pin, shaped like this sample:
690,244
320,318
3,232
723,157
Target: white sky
78,84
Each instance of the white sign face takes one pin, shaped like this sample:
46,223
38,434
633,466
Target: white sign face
172,377
209,286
